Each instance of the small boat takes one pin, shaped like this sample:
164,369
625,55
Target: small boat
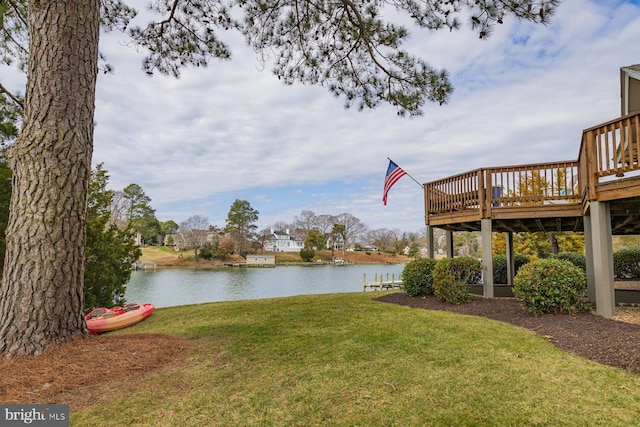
102,319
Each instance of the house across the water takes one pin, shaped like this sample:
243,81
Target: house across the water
283,241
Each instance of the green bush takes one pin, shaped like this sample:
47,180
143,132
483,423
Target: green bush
417,277
626,264
500,266
450,278
207,250
574,258
307,254
551,285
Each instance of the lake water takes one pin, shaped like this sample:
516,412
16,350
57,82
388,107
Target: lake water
171,287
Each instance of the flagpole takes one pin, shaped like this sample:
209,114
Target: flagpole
415,180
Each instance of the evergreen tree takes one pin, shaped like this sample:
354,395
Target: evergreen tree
141,217
110,251
315,240
241,224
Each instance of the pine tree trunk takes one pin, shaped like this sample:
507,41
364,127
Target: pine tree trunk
41,298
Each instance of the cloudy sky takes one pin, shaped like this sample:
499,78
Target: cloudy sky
233,131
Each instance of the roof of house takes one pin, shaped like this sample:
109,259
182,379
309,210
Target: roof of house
282,235
633,70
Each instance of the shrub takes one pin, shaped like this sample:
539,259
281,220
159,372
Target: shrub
551,285
626,264
208,250
574,258
307,254
450,278
417,277
500,266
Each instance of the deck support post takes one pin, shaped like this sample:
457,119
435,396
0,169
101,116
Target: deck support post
588,249
449,240
430,243
602,252
487,258
511,266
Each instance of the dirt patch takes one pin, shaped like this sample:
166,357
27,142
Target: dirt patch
85,371
610,342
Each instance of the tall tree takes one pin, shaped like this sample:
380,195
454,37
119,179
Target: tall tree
344,46
241,224
337,236
41,302
138,203
140,216
10,113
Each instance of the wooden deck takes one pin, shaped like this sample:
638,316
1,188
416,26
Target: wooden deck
547,196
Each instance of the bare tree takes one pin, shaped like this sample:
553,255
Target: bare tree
305,222
324,224
194,231
264,235
383,238
281,226
353,227
119,208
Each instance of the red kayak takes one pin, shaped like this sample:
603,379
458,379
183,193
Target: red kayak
102,319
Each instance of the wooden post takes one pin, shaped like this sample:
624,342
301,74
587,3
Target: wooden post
592,170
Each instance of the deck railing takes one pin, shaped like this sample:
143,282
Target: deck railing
534,184
523,185
607,151
455,193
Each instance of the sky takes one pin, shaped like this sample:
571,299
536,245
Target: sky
234,131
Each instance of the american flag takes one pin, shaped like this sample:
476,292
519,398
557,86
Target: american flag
394,173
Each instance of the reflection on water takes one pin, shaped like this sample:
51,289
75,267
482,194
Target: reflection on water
165,288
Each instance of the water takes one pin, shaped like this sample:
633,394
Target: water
171,287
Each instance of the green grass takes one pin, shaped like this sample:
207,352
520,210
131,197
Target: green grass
346,360
158,251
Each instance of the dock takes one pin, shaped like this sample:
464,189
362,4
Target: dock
380,283
143,266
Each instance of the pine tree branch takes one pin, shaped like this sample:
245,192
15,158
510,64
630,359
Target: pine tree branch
11,96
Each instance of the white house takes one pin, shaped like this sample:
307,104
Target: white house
335,242
279,241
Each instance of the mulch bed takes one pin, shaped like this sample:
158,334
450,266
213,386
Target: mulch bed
587,335
85,371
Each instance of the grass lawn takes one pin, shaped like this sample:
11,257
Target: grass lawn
347,360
